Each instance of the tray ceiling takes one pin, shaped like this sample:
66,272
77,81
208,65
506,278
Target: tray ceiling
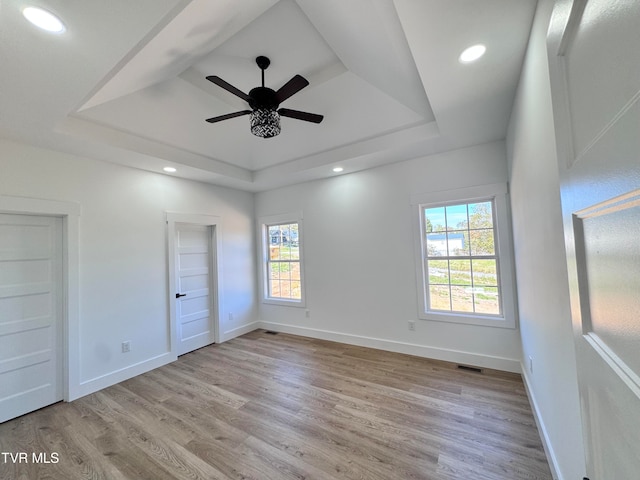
384,74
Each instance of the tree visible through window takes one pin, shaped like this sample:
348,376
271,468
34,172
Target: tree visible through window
461,260
283,262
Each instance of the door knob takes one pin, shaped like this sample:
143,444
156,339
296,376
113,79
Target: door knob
178,295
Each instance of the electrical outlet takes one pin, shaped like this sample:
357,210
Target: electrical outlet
126,346
530,364
230,317
412,325
307,313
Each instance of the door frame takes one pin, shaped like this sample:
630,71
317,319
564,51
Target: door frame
69,212
215,223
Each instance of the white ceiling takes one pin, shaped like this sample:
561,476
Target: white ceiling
126,82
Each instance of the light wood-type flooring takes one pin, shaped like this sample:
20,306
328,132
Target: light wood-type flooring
281,407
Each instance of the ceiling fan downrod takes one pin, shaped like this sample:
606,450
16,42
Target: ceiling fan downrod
263,63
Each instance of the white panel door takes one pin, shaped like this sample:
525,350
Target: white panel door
595,73
30,313
194,301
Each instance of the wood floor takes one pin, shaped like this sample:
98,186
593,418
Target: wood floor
278,407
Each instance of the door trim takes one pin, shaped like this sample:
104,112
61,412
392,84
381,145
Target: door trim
70,213
215,223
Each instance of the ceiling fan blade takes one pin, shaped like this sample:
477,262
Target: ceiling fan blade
297,83
228,116
228,87
298,115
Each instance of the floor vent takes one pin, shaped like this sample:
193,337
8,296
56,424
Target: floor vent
271,332
467,368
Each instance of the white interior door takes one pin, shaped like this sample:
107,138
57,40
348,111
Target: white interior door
194,300
595,73
30,313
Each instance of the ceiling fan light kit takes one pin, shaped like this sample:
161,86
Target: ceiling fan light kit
264,103
265,123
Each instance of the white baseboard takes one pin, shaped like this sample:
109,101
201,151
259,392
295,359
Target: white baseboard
454,356
544,436
93,385
498,363
236,332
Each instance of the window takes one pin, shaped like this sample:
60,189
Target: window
464,271
283,275
461,261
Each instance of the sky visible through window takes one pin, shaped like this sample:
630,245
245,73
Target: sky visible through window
456,216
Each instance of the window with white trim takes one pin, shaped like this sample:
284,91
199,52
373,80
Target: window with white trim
464,271
282,260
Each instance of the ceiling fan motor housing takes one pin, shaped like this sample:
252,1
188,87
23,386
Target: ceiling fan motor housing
263,98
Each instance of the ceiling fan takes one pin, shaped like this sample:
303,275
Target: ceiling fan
264,103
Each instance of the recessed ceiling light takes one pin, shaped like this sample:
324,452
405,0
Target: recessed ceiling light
44,20
169,169
338,169
472,53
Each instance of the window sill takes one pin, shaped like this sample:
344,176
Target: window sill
469,319
283,302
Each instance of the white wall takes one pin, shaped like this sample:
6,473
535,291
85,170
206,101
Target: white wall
360,264
123,289
543,292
